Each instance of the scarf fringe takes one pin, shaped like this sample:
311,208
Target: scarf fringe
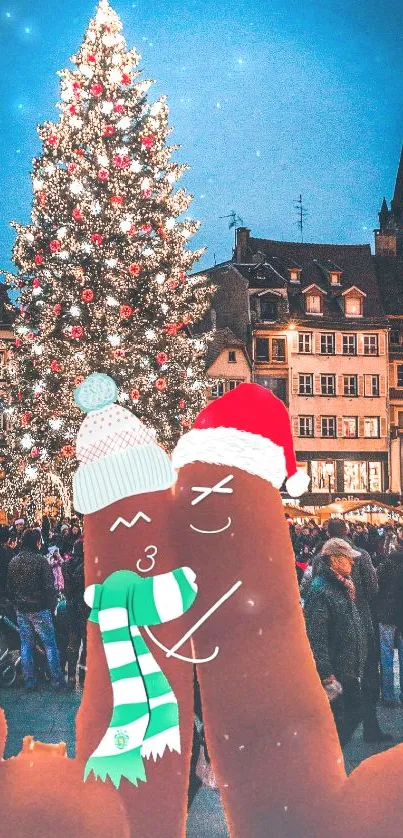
156,745
130,766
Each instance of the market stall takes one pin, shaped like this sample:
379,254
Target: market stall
371,512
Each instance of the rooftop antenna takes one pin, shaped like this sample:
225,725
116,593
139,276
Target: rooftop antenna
234,222
301,216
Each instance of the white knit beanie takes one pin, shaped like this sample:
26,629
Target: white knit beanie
118,455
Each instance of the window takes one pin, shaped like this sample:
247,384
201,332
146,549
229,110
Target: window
232,356
328,426
372,385
394,337
323,476
305,385
328,385
277,385
305,342
371,426
353,306
294,274
314,304
362,476
349,426
268,308
399,375
327,344
217,390
306,425
278,349
350,385
234,382
262,349
349,344
370,344
334,278
400,419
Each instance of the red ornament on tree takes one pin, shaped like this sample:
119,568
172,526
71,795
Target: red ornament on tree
146,193
42,196
79,151
103,174
148,141
162,358
19,395
35,451
72,109
36,283
122,161
172,329
87,295
38,259
67,451
79,380
91,58
97,238
126,78
134,270
118,108
26,418
76,332
161,384
172,284
52,139
125,311
132,231
182,404
18,342
161,232
54,245
135,395
119,353
30,335
109,131
76,85
182,276
97,89
71,168
146,228
77,214
116,200
55,366
57,309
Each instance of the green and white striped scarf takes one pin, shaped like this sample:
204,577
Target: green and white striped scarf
145,717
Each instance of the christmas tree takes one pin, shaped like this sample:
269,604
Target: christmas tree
102,269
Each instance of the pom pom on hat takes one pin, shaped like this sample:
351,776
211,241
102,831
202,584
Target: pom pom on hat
118,455
247,428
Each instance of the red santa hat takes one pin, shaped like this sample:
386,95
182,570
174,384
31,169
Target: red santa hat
248,428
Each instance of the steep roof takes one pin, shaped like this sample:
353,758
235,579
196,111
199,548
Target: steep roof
397,202
223,339
389,271
316,261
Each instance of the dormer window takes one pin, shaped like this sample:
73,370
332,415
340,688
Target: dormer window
314,304
335,277
354,302
268,309
295,274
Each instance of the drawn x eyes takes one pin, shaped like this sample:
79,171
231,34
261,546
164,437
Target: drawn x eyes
205,491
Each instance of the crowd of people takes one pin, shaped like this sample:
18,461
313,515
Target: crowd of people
351,586
42,590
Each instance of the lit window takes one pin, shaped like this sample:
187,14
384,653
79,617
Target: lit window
327,344
294,274
399,375
334,278
371,426
232,356
314,304
328,426
394,337
349,426
370,344
262,349
350,385
305,385
306,425
353,306
349,344
362,476
305,342
328,385
278,349
323,476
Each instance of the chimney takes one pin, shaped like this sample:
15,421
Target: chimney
242,244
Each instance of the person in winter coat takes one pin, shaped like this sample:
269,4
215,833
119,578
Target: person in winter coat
31,589
336,634
6,554
77,614
389,608
56,562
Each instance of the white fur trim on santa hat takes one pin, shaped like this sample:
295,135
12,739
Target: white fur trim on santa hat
230,447
297,484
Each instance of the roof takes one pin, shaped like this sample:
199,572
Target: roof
270,262
223,339
389,271
397,201
346,507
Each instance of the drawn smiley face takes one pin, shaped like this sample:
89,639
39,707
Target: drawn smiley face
221,487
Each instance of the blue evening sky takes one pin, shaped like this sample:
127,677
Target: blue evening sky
268,100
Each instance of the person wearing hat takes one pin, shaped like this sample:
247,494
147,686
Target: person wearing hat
337,635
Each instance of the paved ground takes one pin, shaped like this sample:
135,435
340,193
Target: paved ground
50,717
